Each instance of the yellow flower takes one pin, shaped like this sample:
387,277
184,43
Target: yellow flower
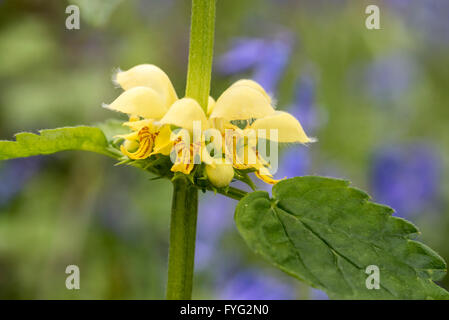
150,76
147,97
247,100
243,100
183,113
241,115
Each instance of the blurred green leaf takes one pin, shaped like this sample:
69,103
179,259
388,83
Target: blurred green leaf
54,140
112,127
39,100
26,46
325,233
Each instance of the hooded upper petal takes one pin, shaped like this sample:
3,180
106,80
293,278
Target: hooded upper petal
139,102
253,84
242,102
183,113
148,75
289,128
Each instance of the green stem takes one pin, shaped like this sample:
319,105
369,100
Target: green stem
185,195
182,240
234,193
201,51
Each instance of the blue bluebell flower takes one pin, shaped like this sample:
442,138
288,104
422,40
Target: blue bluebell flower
275,59
14,174
294,162
214,218
407,178
255,285
304,106
428,18
244,54
267,57
388,78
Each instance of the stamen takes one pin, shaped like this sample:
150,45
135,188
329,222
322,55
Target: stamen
146,140
185,158
266,179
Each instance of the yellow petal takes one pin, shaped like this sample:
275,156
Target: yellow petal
141,102
210,105
266,178
148,75
181,167
221,124
206,157
289,128
183,113
253,84
242,102
163,143
133,136
137,125
184,159
146,142
220,175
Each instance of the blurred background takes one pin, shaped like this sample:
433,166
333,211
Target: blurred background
377,100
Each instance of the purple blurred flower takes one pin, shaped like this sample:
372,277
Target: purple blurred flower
388,78
267,57
295,161
304,107
14,174
429,18
254,285
276,57
215,215
245,53
407,178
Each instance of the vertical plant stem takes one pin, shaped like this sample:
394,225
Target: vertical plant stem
201,51
182,240
185,194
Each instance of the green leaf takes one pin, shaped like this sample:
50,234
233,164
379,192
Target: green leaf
325,233
54,140
112,127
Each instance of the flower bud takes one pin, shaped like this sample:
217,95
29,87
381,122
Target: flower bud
131,145
220,175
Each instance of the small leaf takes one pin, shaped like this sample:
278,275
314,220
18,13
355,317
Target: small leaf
244,177
54,140
325,233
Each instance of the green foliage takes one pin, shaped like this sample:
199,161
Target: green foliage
54,140
325,233
112,127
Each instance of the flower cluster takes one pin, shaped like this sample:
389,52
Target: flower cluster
225,138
